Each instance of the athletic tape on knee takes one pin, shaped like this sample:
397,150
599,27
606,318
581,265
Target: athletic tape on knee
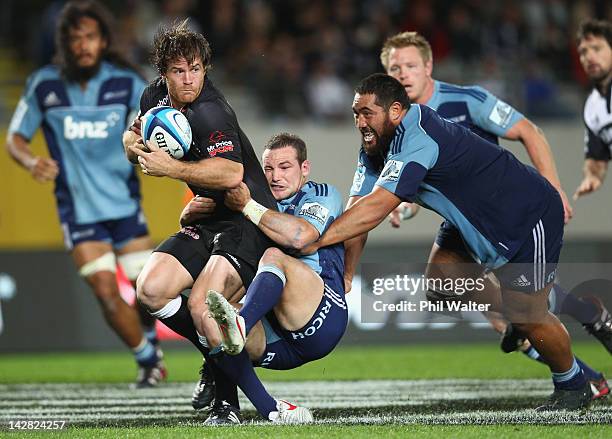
133,263
106,262
170,309
274,270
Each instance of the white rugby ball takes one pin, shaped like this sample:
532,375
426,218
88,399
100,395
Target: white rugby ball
168,128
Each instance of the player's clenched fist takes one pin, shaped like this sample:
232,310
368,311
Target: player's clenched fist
237,198
43,169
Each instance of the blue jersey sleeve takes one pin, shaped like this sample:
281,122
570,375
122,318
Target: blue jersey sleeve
27,116
410,157
321,205
365,177
492,114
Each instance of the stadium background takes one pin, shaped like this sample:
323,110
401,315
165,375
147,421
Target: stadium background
291,66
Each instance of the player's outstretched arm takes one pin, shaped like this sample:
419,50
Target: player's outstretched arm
540,153
594,175
363,216
43,169
282,228
213,173
353,248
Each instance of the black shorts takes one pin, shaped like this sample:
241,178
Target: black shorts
239,241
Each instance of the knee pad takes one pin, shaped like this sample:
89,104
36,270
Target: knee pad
133,263
106,262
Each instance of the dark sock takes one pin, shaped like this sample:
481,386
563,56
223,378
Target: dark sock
590,374
565,303
263,294
182,323
225,387
573,379
240,370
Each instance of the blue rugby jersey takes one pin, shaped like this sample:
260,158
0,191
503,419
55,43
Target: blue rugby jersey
319,204
83,130
482,189
475,108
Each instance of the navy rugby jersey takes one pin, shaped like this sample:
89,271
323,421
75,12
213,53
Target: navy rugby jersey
482,189
216,133
320,205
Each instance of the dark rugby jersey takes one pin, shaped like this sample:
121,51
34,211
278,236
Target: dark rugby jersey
598,122
216,133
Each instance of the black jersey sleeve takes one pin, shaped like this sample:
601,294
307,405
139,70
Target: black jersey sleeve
595,147
215,130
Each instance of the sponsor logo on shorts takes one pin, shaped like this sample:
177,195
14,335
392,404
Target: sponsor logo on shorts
220,147
80,234
391,171
316,323
268,359
315,211
500,114
521,281
235,260
190,231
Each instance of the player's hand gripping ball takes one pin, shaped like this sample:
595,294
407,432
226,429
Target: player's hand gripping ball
169,129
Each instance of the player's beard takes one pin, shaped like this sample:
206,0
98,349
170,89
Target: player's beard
76,73
383,140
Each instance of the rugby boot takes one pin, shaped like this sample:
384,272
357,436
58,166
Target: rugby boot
231,324
222,413
601,328
204,391
288,413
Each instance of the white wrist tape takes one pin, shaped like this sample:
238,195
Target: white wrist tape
407,213
254,211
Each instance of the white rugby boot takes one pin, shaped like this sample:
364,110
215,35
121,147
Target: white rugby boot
230,322
290,414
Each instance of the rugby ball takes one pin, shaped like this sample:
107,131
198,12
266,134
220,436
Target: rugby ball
168,128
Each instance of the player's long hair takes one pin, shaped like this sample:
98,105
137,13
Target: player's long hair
69,19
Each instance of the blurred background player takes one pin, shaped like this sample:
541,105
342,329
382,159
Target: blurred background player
595,50
407,57
219,252
83,102
299,301
410,153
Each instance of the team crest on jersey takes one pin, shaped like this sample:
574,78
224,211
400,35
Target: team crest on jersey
500,114
359,177
315,211
391,171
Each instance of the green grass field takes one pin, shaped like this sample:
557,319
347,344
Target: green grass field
470,390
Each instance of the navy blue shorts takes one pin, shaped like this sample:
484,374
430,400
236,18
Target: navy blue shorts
535,264
291,349
449,238
117,232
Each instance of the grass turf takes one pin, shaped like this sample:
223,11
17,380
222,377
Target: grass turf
484,361
336,431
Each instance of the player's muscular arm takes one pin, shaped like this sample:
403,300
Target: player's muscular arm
284,229
42,168
363,216
540,153
353,248
594,175
214,173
